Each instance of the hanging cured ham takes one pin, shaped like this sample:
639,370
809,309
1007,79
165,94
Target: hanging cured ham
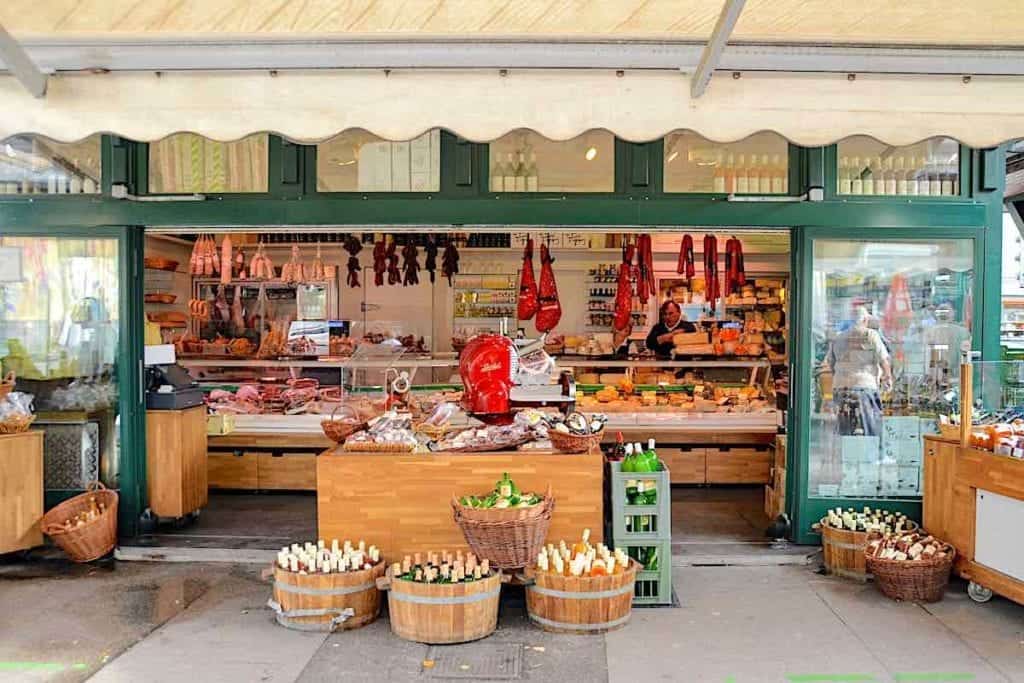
450,261
409,264
394,275
550,310
712,288
353,247
735,276
624,290
430,264
528,301
684,266
644,268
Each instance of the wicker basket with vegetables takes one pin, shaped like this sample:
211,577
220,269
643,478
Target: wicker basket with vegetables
507,525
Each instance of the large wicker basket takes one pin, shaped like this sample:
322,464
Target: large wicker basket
573,443
337,429
912,580
93,540
511,537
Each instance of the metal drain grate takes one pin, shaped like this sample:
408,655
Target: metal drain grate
478,661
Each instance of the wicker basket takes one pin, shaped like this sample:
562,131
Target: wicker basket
339,430
573,443
509,538
912,580
951,432
371,447
843,550
93,540
435,433
7,385
16,424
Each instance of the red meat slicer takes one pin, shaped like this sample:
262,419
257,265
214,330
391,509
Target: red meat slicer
499,376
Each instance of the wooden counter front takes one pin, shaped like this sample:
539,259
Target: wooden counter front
402,503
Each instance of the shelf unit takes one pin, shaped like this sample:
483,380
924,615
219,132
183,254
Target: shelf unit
602,282
491,293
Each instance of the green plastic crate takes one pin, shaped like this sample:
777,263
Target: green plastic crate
652,587
640,523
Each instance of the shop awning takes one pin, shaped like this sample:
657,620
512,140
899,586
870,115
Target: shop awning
808,109
813,72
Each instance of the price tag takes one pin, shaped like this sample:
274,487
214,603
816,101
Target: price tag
10,265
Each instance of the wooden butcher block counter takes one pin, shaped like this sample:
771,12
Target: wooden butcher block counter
402,503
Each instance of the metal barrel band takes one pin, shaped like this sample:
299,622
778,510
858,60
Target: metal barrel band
572,595
454,600
847,574
285,617
580,627
301,590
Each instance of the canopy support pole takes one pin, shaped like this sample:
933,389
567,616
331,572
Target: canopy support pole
21,65
716,45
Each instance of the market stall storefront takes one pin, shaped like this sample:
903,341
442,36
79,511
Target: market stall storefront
897,254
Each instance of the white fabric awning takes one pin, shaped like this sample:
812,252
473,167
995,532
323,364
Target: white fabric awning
481,105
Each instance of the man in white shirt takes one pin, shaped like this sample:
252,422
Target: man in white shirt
858,360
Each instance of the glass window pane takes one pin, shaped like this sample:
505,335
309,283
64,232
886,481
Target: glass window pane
930,167
30,164
358,161
186,162
888,322
758,164
524,161
59,335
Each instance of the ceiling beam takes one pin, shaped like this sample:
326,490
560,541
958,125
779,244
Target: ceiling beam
712,54
267,53
21,65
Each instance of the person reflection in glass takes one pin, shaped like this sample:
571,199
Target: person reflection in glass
860,364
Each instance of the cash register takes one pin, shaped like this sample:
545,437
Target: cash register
168,385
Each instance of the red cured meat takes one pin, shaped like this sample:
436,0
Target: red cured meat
685,264
711,286
379,265
550,311
528,296
735,277
624,290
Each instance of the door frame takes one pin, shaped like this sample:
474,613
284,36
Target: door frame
132,460
805,510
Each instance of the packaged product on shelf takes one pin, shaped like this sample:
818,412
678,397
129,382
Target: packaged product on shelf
320,558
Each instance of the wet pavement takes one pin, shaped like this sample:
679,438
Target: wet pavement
155,622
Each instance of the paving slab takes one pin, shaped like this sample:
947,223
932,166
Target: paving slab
374,654
226,635
904,636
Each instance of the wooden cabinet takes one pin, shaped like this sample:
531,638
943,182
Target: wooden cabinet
21,490
291,471
232,470
738,465
686,465
264,470
937,494
775,490
176,468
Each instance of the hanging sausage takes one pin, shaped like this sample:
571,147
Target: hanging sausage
643,269
550,310
410,253
394,275
528,303
711,286
430,264
450,261
353,246
225,260
624,290
684,266
379,265
735,275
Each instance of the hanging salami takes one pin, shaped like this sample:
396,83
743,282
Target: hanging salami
643,267
450,262
430,264
711,286
550,310
379,263
409,265
624,290
735,277
684,266
528,303
353,247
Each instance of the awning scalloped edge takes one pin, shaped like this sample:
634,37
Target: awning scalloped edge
311,106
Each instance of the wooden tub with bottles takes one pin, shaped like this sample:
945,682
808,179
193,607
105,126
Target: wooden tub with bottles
584,605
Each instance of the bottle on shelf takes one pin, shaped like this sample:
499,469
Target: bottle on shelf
868,179
742,175
88,185
767,171
935,177
856,182
619,451
497,180
510,173
75,183
532,177
730,174
900,174
51,183
924,181
912,175
521,173
889,174
628,460
718,179
62,183
779,176
843,185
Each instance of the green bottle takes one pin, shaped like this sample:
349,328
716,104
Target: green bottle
652,465
629,462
